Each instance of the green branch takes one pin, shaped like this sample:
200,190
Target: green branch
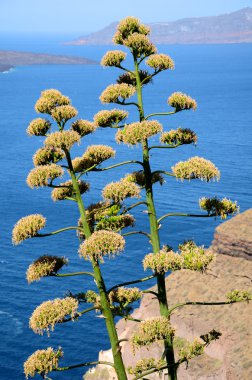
133,206
73,274
83,365
186,215
59,231
164,146
79,314
160,114
202,304
137,232
163,172
131,282
117,165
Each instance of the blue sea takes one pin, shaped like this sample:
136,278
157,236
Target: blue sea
219,77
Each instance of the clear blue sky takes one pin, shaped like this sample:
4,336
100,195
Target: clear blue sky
84,16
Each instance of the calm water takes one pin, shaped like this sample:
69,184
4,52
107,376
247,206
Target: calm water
219,77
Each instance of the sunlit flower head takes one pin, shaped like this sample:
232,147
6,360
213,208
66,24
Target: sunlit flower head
62,139
181,101
113,58
239,296
140,45
196,168
83,127
128,26
179,136
102,243
135,133
46,156
219,207
49,100
191,350
151,331
146,364
38,127
67,191
115,223
160,62
118,191
124,295
27,227
42,175
42,362
64,113
117,93
98,153
44,266
107,118
139,178
49,313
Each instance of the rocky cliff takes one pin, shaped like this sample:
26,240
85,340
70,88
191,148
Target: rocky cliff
229,358
235,27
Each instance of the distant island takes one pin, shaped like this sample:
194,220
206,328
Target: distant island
235,27
10,59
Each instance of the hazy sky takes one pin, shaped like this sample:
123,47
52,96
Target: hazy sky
84,16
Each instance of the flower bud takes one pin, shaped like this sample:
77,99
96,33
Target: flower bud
118,191
140,45
196,168
62,139
117,93
83,127
49,313
128,26
64,113
44,266
136,133
179,136
192,350
113,58
219,207
108,118
160,62
181,101
100,244
38,127
49,100
124,295
46,156
27,227
41,175
67,190
42,362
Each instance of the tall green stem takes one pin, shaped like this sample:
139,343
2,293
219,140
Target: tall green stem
105,305
155,241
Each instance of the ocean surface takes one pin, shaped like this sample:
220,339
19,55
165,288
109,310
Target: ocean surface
219,77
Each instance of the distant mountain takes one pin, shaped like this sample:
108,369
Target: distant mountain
9,59
235,27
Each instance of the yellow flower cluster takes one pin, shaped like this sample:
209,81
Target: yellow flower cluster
117,93
118,191
83,127
94,155
124,295
41,175
196,168
38,127
100,244
190,257
128,26
45,156
49,313
135,133
219,207
146,364
160,62
108,118
49,100
140,45
192,350
115,223
64,113
67,190
44,266
150,331
27,227
113,58
62,139
179,136
139,178
42,362
181,101
239,295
